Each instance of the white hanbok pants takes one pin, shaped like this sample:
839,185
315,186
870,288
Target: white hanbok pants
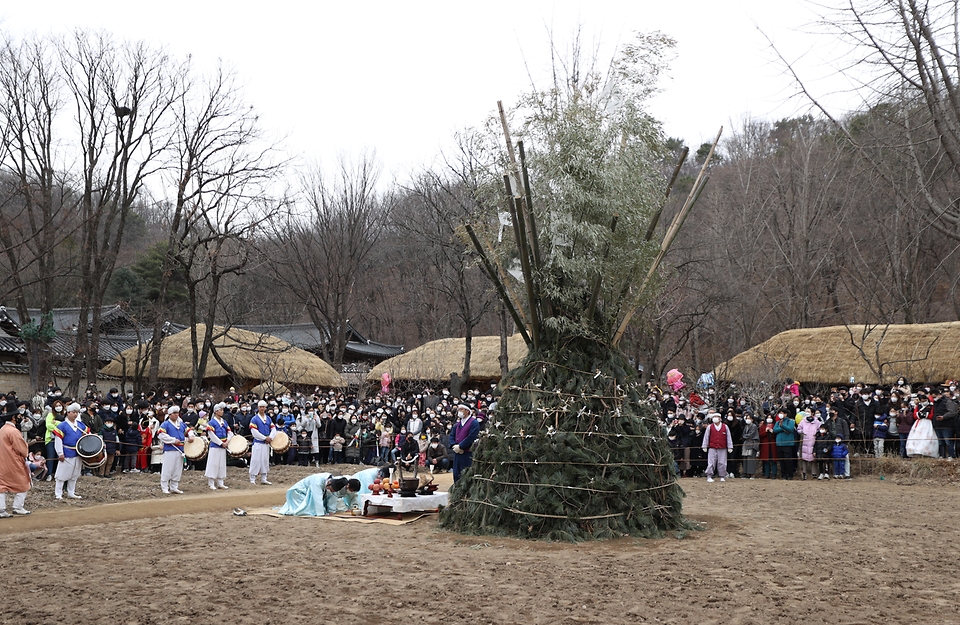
68,472
171,469
216,464
259,460
18,499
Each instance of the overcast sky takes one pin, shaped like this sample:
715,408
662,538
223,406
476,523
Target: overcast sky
401,77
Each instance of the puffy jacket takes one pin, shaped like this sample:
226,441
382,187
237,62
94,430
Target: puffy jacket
110,439
824,445
839,450
880,427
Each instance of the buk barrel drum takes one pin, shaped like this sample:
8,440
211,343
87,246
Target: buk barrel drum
237,447
280,443
92,451
196,450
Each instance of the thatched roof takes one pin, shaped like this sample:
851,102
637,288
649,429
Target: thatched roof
871,354
436,360
273,388
252,356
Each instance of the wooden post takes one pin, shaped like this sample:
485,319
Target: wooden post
498,284
670,235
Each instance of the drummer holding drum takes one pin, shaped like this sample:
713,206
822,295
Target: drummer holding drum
65,438
219,435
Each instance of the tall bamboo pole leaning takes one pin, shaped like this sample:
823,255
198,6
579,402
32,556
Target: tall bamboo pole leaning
532,230
673,180
670,235
498,284
519,233
512,170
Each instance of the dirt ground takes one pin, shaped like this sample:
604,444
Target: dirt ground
860,551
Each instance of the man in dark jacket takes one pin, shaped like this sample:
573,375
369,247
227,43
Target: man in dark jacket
438,459
943,414
865,411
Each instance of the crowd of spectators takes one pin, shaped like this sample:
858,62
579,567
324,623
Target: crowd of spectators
776,434
325,427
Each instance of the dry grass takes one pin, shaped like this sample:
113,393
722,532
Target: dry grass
436,360
905,470
874,354
252,356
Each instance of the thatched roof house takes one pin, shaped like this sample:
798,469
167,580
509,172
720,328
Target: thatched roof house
835,355
253,357
436,360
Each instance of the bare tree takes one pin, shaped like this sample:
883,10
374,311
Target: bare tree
904,53
122,95
223,171
327,246
431,216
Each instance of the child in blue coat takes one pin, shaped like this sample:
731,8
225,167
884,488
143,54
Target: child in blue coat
880,428
839,454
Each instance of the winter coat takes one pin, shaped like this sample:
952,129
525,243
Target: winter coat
352,435
864,415
808,437
824,445
786,431
944,413
132,440
905,420
751,440
110,439
839,450
880,427
768,442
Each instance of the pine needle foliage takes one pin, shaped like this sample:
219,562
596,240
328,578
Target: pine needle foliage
573,453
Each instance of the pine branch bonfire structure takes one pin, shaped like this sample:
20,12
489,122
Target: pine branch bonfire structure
573,452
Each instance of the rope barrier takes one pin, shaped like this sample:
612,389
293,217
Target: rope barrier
562,486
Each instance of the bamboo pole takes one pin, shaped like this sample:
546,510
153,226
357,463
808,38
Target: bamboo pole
521,327
531,221
510,153
670,235
673,180
532,230
520,234
514,299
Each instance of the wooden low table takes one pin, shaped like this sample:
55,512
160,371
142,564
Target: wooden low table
370,504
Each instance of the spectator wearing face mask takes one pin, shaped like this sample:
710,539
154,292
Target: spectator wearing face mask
438,459
684,434
415,423
786,431
108,432
807,429
717,443
905,418
791,408
53,418
735,423
768,448
751,447
865,412
352,436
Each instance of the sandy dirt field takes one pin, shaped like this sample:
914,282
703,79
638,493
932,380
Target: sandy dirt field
861,551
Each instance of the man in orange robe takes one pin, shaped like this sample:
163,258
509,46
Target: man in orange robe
14,474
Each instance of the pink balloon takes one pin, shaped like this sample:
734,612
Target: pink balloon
385,381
